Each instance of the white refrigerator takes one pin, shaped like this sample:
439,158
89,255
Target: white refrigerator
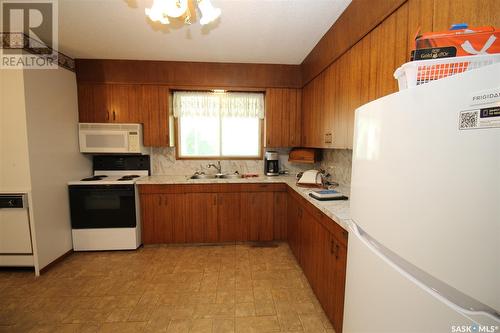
424,244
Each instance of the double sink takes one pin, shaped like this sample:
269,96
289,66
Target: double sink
219,175
216,176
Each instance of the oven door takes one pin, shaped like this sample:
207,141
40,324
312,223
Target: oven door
102,206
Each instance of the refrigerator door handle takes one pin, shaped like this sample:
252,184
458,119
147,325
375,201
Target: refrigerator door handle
445,293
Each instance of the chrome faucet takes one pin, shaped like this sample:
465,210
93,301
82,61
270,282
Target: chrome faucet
218,167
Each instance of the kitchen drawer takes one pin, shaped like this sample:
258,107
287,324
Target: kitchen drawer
178,188
210,188
263,187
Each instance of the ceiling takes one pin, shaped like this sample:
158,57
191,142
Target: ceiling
249,31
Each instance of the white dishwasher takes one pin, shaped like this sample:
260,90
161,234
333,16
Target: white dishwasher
15,233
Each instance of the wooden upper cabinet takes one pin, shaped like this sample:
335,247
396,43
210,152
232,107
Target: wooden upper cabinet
122,103
330,122
362,74
388,47
154,113
107,103
283,117
93,103
317,127
475,13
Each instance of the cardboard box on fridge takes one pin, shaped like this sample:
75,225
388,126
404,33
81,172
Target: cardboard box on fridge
467,41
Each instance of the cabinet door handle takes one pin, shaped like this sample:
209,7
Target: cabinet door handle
107,115
114,115
215,200
337,248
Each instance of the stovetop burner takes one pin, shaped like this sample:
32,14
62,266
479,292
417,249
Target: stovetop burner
93,178
128,177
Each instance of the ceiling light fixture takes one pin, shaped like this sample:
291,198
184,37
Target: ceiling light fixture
161,10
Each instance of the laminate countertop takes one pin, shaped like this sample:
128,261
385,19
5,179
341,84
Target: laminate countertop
336,210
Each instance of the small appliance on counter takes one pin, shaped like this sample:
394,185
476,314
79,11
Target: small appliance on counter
271,163
104,208
310,178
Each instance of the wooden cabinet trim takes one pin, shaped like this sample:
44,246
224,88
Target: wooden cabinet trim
189,74
211,188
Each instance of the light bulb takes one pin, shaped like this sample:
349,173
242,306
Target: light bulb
175,8
156,12
208,12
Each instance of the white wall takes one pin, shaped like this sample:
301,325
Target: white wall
52,118
14,161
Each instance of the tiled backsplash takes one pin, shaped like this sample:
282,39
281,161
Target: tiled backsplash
164,163
335,161
338,162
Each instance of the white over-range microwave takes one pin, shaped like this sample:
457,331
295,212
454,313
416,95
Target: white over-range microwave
110,138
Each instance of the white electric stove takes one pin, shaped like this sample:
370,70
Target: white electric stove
105,212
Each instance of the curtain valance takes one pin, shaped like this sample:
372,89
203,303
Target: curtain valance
208,104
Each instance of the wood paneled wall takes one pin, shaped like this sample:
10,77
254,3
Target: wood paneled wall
364,72
195,74
360,17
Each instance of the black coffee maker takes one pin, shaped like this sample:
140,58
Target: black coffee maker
271,163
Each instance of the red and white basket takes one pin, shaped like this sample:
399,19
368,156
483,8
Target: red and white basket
419,72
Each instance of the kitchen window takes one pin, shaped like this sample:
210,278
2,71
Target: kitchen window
218,125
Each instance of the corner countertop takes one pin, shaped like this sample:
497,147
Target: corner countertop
336,210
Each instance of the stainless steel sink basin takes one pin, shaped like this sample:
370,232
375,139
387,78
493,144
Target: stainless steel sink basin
203,176
230,176
216,176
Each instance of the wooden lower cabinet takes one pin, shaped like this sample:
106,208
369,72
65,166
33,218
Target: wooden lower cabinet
257,209
294,216
280,219
162,217
201,217
224,213
320,246
229,222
